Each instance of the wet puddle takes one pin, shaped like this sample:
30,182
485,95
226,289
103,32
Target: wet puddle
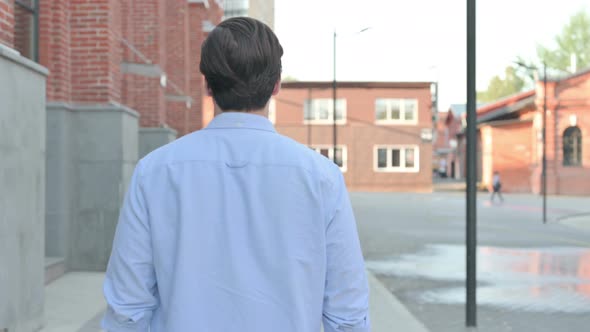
532,279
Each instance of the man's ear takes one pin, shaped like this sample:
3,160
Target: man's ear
277,87
209,91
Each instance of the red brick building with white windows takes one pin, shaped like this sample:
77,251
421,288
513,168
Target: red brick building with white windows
511,138
384,130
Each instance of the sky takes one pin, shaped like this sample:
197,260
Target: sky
414,40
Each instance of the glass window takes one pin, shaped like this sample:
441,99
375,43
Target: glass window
339,157
320,111
409,158
396,110
324,111
395,158
381,109
382,158
572,147
409,109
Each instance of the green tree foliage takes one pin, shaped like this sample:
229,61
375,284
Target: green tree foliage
500,87
573,39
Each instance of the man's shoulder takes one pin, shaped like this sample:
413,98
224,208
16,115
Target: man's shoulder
309,157
172,152
285,152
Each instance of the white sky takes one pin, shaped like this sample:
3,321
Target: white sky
414,40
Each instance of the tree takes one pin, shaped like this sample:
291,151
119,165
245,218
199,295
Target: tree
289,78
500,87
573,40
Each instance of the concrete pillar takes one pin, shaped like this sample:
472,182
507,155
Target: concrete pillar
22,192
153,138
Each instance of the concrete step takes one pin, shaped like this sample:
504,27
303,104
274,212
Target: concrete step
55,267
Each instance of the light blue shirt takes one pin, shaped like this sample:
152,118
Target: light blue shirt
236,228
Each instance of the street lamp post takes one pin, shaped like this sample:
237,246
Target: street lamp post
334,97
544,136
471,199
334,87
544,175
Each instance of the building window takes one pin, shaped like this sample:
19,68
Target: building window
572,147
328,151
403,159
396,111
320,111
26,28
235,8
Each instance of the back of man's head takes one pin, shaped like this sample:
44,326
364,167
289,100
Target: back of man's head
241,62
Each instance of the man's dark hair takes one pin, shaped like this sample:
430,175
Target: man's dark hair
241,61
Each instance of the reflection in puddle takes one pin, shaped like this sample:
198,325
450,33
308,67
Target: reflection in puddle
536,280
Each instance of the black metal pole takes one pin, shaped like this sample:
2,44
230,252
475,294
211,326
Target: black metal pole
334,103
544,170
36,31
471,235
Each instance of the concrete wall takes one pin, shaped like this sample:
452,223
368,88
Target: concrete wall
61,174
91,154
22,192
153,138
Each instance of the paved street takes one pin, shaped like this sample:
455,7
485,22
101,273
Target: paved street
532,277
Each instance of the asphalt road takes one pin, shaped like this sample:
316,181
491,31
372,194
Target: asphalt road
531,276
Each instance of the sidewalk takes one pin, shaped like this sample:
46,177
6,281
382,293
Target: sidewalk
581,222
74,303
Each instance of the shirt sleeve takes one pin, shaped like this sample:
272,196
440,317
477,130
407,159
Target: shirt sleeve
130,287
346,297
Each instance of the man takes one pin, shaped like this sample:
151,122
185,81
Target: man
497,187
235,227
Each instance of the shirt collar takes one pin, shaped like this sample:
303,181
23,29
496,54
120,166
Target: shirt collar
241,120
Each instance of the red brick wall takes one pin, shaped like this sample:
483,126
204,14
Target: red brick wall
54,47
7,22
511,155
96,50
574,100
144,28
81,43
360,134
23,29
197,14
443,133
177,66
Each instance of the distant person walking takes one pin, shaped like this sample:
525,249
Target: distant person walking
497,187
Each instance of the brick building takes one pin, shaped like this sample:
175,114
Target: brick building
384,130
448,125
123,80
510,138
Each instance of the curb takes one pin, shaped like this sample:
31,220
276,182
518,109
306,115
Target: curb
580,221
387,312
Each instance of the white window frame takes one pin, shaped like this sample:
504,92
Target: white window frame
272,111
401,169
330,120
402,120
330,148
